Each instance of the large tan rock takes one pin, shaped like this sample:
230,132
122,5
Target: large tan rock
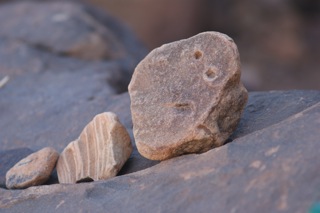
32,170
99,153
186,96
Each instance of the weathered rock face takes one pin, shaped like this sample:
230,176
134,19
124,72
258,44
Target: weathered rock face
270,168
33,170
53,93
186,96
66,30
100,152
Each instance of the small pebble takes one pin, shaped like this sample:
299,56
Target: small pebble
33,170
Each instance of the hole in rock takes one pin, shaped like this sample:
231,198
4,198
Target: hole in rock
210,74
182,106
85,180
198,54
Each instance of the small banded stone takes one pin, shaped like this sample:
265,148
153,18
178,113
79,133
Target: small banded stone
99,153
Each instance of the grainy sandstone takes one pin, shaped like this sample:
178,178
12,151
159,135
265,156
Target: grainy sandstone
99,153
32,170
186,96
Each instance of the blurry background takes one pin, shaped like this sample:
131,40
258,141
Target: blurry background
278,41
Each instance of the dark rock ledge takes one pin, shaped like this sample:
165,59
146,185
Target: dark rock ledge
272,169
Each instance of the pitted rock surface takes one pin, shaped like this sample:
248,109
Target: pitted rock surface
33,170
100,152
186,96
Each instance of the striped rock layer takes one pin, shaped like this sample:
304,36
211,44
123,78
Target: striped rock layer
186,96
99,153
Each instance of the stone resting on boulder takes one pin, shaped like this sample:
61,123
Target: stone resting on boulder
186,96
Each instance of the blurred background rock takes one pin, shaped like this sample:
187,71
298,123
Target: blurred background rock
279,41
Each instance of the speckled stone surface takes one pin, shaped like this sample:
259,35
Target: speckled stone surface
186,96
33,170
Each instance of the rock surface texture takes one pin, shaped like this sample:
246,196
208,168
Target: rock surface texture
272,165
186,96
54,91
33,170
100,152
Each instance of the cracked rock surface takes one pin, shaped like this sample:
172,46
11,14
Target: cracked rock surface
186,96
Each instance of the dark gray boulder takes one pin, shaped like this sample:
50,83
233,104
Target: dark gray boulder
273,169
52,91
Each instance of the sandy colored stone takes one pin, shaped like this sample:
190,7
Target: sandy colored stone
99,153
33,170
186,96
8,159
